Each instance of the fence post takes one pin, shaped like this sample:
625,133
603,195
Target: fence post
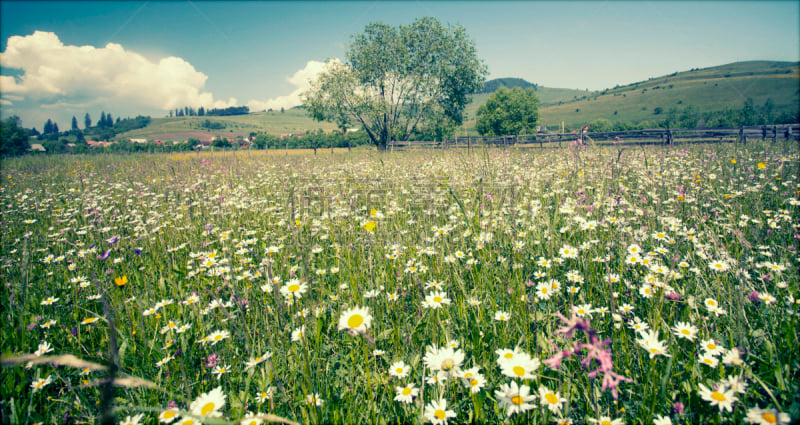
742,138
774,133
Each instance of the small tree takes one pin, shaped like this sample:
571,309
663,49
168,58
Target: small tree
13,138
87,120
509,112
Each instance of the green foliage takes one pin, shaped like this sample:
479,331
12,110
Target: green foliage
398,80
492,86
13,138
509,111
213,125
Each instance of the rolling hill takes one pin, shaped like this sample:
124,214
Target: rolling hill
708,89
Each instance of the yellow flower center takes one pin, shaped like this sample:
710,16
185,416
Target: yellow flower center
605,422
769,418
437,299
448,364
551,398
508,355
708,361
207,408
716,395
406,391
517,400
544,290
519,370
294,287
399,370
685,331
440,414
711,346
355,321
217,337
168,414
654,351
473,382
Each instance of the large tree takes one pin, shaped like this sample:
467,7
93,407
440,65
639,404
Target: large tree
506,112
398,79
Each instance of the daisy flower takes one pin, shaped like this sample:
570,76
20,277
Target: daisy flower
502,316
41,383
757,415
720,397
314,399
437,413
132,420
89,320
551,399
298,334
355,320
406,394
475,381
685,330
505,355
49,301
265,395
606,420
515,398
650,342
521,366
399,369
215,337
209,405
251,419
221,370
708,360
711,347
445,359
435,300
293,289
168,416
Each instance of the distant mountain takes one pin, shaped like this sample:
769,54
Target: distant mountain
492,86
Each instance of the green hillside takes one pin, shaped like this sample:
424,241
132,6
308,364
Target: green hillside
293,120
707,90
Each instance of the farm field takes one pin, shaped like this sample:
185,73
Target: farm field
574,286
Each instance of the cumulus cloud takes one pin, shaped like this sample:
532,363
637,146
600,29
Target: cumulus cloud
55,73
301,80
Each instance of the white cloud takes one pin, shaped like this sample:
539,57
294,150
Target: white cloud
5,102
56,73
301,80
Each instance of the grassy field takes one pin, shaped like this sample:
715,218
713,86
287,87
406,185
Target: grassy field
596,285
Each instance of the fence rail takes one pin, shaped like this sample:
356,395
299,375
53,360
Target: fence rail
646,136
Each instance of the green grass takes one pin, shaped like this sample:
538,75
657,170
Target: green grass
215,241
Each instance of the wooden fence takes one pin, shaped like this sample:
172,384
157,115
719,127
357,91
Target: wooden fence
772,133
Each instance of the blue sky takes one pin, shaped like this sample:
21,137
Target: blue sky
261,53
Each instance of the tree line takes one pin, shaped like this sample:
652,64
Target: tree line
188,111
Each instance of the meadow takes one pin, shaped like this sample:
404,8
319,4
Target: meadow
609,285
